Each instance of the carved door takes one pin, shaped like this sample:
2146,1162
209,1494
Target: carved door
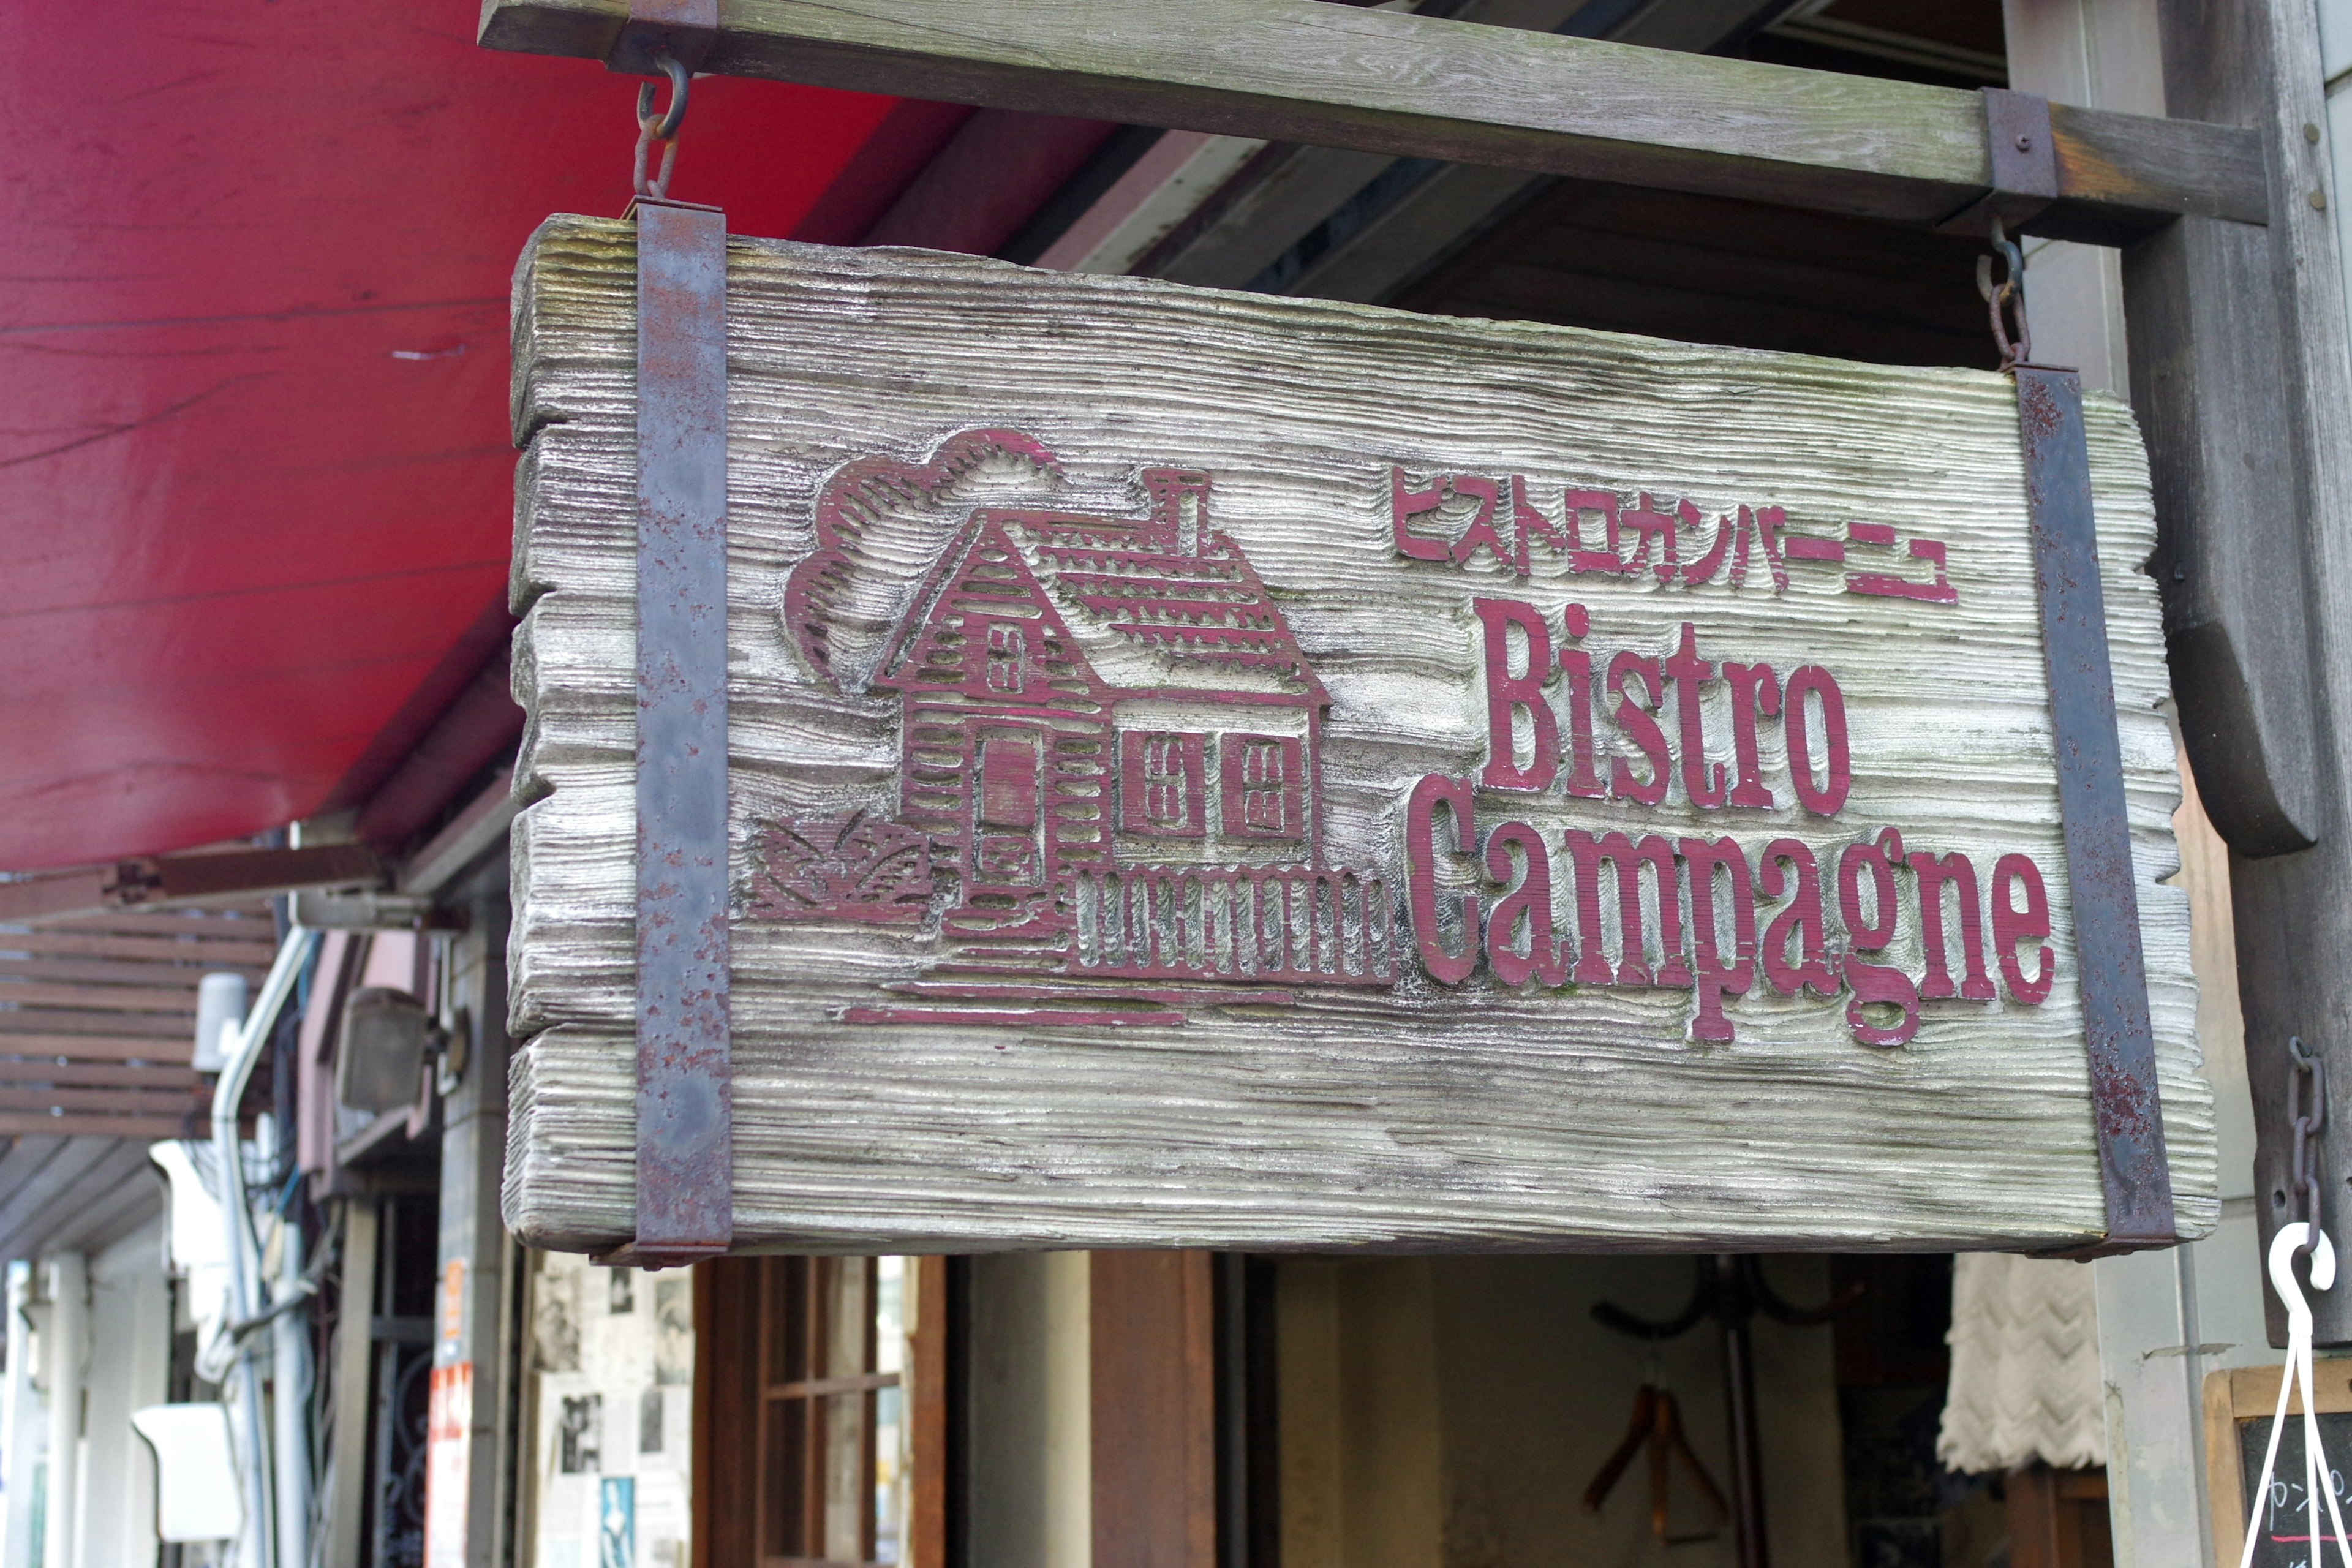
1008,809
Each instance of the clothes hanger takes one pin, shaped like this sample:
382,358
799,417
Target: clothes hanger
1657,1426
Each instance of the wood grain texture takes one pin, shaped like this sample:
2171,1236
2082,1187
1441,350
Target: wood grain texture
1153,1388
1419,1117
1380,82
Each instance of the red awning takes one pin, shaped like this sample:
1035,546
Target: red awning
253,305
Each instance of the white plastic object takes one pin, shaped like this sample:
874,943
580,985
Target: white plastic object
2294,1377
220,1005
196,1494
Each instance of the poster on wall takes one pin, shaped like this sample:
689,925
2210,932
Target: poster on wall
1220,770
611,1375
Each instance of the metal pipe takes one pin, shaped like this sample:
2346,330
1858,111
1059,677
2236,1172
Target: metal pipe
66,1283
241,1045
290,1375
1746,1456
17,1414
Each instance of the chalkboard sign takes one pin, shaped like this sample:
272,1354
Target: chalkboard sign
2285,1538
2238,1407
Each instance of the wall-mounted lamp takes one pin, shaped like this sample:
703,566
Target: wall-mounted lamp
382,1051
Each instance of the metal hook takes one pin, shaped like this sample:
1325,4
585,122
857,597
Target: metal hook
666,126
2006,299
2290,1241
662,128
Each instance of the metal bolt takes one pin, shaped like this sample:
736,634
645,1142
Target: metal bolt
2311,132
2025,143
2319,201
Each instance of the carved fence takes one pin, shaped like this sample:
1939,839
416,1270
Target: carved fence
1293,925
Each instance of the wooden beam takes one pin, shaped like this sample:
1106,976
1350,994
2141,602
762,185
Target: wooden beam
164,880
34,1124
482,823
100,1075
68,1021
101,1047
142,999
108,972
119,1101
1300,71
216,953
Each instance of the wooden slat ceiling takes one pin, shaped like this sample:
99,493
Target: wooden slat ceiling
1716,270
1713,270
84,1194
98,1019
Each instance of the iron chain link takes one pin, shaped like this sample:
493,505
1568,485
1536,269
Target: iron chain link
2309,1118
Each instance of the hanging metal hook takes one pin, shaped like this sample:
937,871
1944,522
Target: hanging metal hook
661,128
2295,1379
2006,299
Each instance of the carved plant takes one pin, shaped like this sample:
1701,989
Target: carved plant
840,869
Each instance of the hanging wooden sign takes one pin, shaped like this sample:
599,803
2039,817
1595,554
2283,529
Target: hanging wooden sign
1218,770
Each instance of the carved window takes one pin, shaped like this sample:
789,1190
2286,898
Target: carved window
1007,670
1163,784
1264,794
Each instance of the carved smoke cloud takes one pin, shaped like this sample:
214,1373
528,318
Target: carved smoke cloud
880,523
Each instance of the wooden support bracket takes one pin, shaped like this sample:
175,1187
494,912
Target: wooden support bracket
1301,70
162,880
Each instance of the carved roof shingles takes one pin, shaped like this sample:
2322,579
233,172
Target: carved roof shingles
1209,608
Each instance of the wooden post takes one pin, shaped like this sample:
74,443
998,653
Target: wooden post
2239,369
1154,1398
2057,1518
355,1347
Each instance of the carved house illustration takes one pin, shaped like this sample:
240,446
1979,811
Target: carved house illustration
1111,742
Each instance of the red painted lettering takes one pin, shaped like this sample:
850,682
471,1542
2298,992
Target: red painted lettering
1711,978
1482,530
1651,523
1530,524
1625,860
1405,503
1769,522
1824,798
1576,664
1934,874
1420,876
1508,695
1702,781
1800,921
1639,727
1875,983
1889,584
1755,690
1527,905
2011,925
1580,560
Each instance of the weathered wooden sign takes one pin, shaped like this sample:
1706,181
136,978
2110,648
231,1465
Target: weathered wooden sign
1232,770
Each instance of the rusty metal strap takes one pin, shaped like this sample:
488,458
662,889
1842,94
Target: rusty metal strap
683,29
2022,151
2127,1111
685,1131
